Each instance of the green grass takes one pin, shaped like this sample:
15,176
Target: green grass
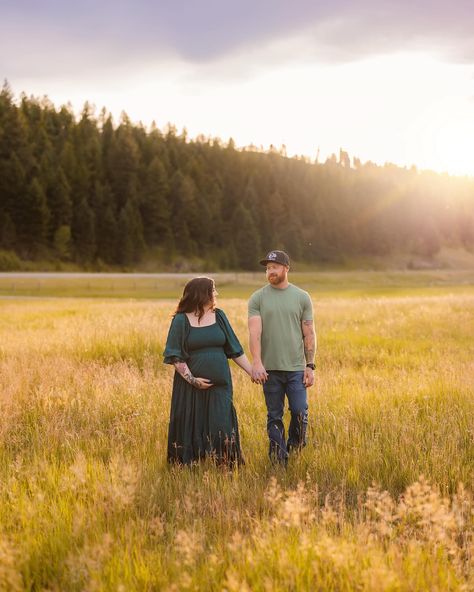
380,499
350,284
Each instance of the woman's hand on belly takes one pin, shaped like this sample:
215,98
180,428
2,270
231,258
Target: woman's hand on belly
201,383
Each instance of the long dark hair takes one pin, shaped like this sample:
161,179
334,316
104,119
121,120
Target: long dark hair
196,294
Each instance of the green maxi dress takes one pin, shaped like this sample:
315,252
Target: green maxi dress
203,423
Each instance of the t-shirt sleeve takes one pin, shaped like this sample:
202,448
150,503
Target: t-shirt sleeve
254,306
175,348
307,308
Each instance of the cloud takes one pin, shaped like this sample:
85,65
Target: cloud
103,40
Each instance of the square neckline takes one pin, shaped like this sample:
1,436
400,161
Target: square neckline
200,326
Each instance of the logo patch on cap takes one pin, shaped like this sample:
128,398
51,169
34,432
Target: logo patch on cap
276,256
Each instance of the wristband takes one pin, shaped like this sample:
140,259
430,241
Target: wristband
312,366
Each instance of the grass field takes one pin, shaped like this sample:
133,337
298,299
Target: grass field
380,499
237,285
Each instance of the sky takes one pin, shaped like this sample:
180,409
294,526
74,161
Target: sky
386,81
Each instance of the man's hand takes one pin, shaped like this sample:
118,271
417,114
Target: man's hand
259,374
308,378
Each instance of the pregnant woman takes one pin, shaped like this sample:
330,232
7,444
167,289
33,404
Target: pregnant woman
203,421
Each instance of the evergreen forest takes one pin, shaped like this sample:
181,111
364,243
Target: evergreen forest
96,193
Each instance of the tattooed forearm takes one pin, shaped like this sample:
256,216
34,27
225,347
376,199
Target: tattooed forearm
185,372
190,378
309,340
309,356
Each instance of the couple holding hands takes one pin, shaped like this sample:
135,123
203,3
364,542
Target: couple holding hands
203,420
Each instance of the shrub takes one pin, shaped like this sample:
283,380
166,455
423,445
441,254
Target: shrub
9,261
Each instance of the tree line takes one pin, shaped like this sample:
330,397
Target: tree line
87,190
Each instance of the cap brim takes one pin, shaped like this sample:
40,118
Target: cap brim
265,261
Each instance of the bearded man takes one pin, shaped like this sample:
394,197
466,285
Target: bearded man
283,347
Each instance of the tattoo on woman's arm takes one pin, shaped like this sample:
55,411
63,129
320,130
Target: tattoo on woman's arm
185,372
190,378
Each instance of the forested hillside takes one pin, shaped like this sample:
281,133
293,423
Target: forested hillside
88,190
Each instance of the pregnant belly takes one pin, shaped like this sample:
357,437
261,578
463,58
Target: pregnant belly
214,367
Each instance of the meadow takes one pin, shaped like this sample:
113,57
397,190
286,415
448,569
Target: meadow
381,499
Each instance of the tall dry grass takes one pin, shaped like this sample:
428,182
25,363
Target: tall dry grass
380,499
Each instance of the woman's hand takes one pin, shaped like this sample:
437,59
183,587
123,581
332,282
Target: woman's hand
201,383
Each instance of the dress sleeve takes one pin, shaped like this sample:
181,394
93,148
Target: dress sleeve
175,348
232,347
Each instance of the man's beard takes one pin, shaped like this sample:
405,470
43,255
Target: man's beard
276,278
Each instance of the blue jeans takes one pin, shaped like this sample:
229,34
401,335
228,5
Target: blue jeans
278,384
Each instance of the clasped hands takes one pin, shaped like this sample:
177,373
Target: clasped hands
258,375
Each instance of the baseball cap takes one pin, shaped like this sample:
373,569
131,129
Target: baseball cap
276,257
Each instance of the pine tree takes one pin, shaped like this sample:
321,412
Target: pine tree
123,167
7,231
108,235
247,240
59,202
130,230
185,220
62,241
154,207
83,232
15,163
12,185
182,238
33,228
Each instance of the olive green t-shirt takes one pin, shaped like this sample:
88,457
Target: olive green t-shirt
282,311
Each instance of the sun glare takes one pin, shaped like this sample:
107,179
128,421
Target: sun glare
454,142
443,136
